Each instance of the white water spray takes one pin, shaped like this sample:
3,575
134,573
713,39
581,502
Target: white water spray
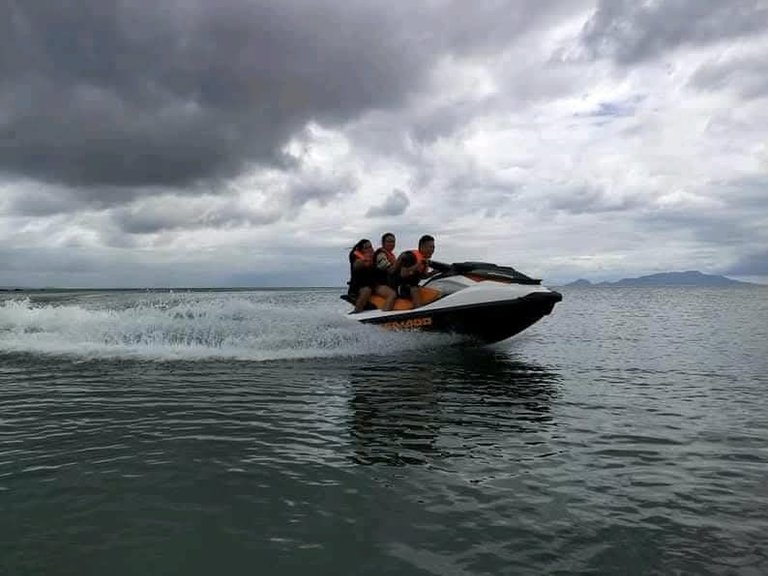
245,325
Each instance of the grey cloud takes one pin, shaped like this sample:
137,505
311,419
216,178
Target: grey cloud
472,187
44,262
72,268
485,27
134,94
522,78
124,96
735,221
37,201
175,213
744,198
748,76
441,122
314,266
755,264
629,31
109,268
394,205
320,188
616,109
590,199
708,229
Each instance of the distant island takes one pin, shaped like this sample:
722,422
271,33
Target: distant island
689,278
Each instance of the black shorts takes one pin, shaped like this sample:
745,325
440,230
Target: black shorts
404,290
360,279
355,287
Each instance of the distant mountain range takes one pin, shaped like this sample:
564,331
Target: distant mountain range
689,278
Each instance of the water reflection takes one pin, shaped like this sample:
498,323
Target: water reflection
422,408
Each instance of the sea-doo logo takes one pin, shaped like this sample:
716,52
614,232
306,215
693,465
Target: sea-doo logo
410,324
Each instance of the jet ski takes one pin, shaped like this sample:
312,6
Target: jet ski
480,300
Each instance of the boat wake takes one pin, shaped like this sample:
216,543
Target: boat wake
246,326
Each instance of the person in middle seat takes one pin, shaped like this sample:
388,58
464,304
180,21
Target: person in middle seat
386,261
363,280
413,266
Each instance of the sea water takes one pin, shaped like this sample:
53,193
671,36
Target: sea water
263,432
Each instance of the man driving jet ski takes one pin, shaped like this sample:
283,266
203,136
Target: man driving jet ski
413,267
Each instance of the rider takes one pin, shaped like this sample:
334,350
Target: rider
386,261
363,277
414,267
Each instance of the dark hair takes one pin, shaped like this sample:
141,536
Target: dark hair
384,237
359,245
424,239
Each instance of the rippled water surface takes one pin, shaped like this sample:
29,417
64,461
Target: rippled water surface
264,433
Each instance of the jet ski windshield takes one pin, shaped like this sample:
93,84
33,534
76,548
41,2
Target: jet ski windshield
483,270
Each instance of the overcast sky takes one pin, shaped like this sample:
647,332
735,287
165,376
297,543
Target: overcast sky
252,142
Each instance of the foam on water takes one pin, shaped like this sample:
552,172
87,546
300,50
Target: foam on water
247,326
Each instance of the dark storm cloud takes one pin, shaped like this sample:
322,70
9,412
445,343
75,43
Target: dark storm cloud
167,93
630,31
127,95
394,205
35,202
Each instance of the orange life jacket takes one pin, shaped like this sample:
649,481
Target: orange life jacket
390,256
420,261
364,257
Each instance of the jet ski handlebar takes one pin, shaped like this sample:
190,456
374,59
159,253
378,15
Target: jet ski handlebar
440,266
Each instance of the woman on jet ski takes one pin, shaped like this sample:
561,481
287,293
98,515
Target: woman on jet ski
364,279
